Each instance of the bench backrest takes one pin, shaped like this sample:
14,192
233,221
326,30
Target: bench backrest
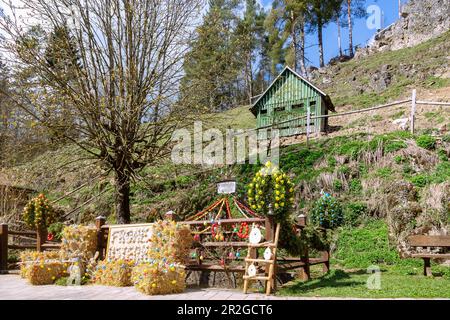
429,241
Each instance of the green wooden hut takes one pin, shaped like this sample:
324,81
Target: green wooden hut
288,97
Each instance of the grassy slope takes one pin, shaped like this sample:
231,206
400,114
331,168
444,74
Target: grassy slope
367,246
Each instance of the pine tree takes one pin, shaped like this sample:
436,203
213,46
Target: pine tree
249,39
212,65
322,12
286,23
354,9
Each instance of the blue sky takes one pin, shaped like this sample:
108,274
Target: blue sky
361,33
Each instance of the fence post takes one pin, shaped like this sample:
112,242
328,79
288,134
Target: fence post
413,109
308,124
41,237
305,270
3,247
99,222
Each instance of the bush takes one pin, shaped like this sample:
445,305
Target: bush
355,186
420,180
354,211
327,212
426,141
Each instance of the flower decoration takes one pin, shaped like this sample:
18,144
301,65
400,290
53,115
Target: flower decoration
327,212
271,186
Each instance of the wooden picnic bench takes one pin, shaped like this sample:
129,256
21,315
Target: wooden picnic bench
426,241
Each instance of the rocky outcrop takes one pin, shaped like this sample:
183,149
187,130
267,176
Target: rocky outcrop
421,20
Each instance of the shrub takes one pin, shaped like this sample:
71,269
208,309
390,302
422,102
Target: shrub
355,186
420,180
393,146
327,212
55,230
337,185
354,211
426,141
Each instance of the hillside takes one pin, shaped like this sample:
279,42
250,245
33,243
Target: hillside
372,169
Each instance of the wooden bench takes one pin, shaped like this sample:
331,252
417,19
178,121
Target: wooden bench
427,242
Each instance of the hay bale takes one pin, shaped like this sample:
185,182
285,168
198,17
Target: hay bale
114,273
29,258
46,272
170,242
79,242
159,278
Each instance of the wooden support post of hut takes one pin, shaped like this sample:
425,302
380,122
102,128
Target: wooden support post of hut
286,101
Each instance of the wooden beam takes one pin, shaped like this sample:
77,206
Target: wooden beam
429,241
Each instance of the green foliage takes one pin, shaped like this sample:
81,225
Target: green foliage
394,146
355,186
384,172
327,212
426,141
353,213
337,185
56,229
420,180
366,245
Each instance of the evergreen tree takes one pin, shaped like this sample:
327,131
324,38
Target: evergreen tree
212,65
322,12
353,9
249,37
289,18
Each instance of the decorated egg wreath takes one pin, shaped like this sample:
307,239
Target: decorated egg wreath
243,231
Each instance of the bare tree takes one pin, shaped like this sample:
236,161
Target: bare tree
123,87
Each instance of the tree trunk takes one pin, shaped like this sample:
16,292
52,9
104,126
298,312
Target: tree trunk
338,23
302,45
350,27
294,40
122,198
320,36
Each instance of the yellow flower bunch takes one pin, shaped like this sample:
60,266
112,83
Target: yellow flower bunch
271,186
38,213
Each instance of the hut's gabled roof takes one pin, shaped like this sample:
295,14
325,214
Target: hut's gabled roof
327,99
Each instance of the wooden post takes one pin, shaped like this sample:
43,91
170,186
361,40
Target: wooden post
308,124
413,110
306,273
326,264
41,238
427,267
99,222
3,247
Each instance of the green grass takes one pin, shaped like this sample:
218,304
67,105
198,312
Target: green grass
353,283
359,248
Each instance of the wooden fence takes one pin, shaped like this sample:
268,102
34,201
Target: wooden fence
413,100
283,264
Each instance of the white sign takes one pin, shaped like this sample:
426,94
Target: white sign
129,242
226,187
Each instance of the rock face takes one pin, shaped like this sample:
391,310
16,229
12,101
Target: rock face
421,20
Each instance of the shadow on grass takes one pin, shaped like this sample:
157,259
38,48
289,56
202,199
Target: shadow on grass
333,279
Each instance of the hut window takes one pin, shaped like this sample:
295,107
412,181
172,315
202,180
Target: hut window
280,109
298,106
312,103
263,111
